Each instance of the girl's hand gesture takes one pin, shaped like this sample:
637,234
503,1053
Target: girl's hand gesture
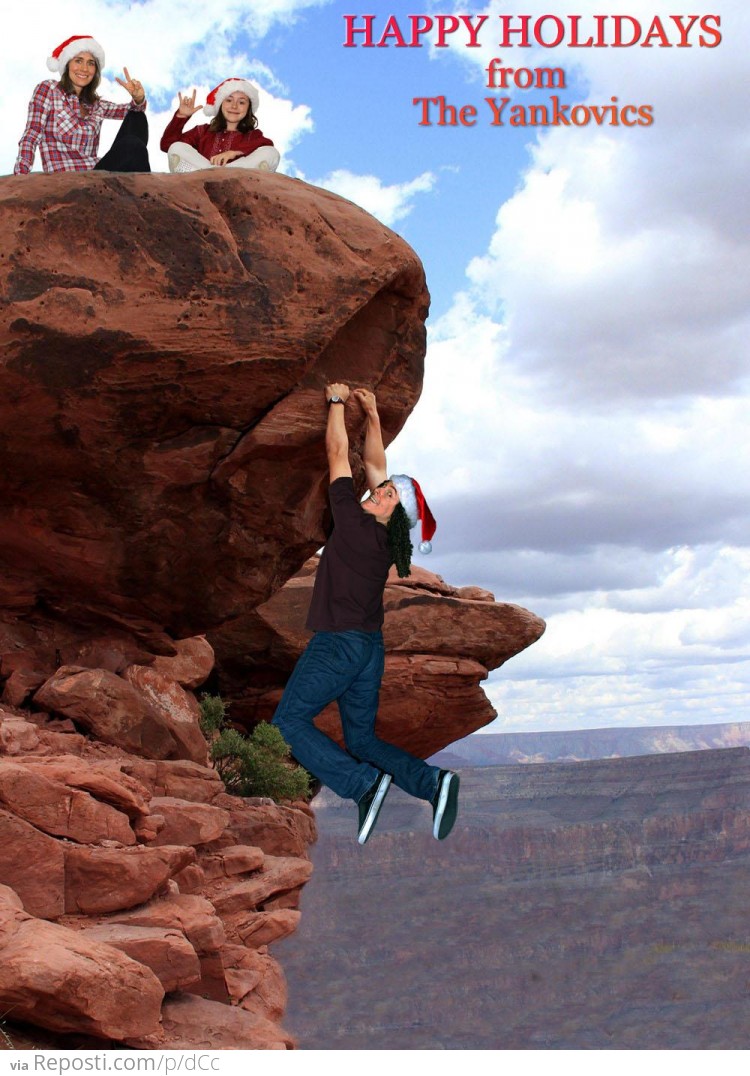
188,106
133,86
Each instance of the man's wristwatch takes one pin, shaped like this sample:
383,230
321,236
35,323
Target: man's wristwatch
335,399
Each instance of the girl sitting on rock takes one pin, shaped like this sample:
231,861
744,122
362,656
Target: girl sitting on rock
65,117
231,138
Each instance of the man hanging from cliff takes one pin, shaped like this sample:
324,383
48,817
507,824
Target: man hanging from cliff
345,658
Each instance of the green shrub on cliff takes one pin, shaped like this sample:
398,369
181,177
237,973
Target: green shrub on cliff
254,765
213,715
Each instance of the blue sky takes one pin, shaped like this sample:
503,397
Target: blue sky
582,432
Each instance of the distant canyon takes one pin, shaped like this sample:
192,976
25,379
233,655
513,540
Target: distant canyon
577,905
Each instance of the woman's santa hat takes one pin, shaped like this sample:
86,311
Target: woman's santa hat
64,53
416,508
230,85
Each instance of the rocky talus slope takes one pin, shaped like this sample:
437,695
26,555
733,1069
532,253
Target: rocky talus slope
137,899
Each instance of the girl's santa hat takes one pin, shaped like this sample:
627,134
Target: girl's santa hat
230,85
64,53
416,508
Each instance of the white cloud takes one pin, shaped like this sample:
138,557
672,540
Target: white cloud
703,696
675,652
621,263
390,203
605,314
582,432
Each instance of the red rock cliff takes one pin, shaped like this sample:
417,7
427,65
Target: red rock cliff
165,340
164,345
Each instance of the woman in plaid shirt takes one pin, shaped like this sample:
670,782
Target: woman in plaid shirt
65,117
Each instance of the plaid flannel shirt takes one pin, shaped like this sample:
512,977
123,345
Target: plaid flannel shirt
67,141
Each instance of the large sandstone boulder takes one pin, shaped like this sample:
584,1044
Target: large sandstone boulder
161,403
167,953
164,474
141,711
188,823
191,664
108,879
66,981
177,708
59,810
110,708
104,780
193,1023
33,863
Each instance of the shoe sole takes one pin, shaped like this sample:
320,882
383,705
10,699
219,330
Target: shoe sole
448,797
179,167
372,815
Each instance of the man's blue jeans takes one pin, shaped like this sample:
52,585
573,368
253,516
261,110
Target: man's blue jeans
346,666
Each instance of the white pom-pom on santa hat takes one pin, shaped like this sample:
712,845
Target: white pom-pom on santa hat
416,508
64,53
230,85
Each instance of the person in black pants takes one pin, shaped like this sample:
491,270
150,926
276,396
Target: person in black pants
65,116
129,151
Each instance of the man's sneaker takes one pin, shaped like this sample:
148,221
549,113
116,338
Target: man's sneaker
445,804
369,806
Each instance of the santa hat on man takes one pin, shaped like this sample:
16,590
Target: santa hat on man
230,85
64,53
416,508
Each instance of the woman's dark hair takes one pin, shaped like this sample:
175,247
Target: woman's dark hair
399,541
88,95
247,123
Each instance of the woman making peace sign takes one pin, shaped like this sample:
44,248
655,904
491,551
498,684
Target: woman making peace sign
65,117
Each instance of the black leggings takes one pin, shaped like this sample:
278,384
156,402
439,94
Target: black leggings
129,151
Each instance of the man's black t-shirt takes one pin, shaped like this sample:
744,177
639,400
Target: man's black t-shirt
351,576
